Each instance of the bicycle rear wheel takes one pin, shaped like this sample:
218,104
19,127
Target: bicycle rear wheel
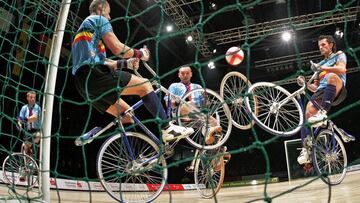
20,170
209,173
233,88
131,180
329,157
207,111
276,112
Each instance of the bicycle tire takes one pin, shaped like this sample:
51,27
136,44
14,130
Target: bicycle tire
210,106
209,174
284,121
233,89
114,167
17,164
330,164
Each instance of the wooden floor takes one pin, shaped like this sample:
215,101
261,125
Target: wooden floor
315,192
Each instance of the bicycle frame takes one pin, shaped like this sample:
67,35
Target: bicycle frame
138,122
331,125
143,127
97,131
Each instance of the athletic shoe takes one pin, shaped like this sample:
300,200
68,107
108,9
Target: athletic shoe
304,157
346,136
318,119
87,137
175,132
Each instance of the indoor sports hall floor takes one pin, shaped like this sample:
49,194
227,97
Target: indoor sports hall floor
315,192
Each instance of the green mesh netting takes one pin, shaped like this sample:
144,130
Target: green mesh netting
26,32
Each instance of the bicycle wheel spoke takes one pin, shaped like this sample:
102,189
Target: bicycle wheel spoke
232,89
276,112
330,157
209,111
115,166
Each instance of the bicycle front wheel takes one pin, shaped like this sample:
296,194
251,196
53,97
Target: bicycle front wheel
20,170
233,88
329,157
131,169
209,173
205,111
273,109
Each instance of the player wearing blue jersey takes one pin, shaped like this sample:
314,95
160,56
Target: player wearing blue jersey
103,80
180,89
30,123
329,88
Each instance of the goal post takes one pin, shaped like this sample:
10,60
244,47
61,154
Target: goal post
49,98
294,169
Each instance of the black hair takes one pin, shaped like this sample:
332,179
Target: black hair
329,39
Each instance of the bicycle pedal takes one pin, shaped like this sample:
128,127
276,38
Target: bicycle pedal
168,155
168,151
346,136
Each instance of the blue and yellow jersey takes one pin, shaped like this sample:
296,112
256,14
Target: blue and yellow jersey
87,46
330,62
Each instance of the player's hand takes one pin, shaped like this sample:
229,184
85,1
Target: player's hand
315,67
300,80
145,54
176,100
132,63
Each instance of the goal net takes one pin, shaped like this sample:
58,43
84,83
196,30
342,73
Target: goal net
27,30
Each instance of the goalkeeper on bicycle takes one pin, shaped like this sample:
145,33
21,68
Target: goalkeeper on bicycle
29,123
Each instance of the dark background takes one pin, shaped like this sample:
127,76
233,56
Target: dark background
73,116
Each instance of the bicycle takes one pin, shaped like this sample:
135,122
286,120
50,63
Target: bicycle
209,171
281,113
132,166
20,169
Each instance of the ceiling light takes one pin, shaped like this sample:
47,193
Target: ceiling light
169,28
339,33
211,64
214,51
189,38
286,36
213,6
